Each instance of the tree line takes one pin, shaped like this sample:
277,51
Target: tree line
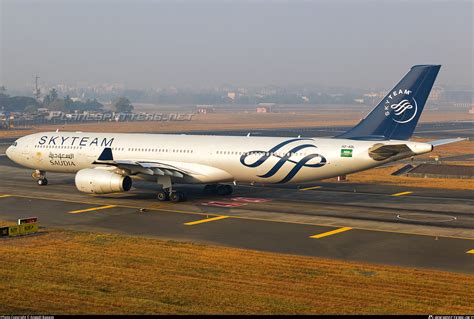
53,102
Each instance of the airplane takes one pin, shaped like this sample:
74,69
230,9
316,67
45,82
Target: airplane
108,163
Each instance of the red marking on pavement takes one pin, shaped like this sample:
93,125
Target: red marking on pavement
223,204
250,200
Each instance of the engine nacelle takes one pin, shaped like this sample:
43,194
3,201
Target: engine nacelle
99,181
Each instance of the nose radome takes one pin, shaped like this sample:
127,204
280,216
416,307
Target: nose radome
8,152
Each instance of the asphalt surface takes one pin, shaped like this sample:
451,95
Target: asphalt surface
423,228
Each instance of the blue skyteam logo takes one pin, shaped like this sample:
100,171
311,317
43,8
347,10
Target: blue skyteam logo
284,157
400,106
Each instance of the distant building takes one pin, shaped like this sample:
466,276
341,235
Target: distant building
231,95
265,107
471,111
458,96
205,109
373,97
341,178
465,105
436,94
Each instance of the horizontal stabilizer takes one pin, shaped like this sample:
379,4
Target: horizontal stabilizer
446,141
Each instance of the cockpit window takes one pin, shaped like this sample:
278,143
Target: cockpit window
14,144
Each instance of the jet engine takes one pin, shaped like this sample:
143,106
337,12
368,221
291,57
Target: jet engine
99,181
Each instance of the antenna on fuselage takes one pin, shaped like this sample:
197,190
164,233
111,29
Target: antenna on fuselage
248,134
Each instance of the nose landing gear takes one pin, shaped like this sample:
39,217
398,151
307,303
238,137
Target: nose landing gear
42,182
40,178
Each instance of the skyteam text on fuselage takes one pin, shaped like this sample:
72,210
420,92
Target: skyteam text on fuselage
106,163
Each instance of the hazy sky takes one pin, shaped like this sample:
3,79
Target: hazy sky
206,43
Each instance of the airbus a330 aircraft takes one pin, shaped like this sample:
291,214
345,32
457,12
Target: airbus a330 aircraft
106,163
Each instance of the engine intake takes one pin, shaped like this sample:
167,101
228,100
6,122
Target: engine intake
98,181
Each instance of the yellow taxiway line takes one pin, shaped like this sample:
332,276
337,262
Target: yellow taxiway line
206,220
91,209
332,232
402,194
310,188
470,251
3,196
164,209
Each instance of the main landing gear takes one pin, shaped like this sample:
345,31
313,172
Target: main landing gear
174,196
40,178
168,193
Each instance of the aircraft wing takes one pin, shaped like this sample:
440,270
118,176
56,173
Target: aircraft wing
199,172
141,167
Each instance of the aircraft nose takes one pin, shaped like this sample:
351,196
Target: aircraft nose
8,152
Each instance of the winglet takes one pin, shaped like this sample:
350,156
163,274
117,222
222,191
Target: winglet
106,155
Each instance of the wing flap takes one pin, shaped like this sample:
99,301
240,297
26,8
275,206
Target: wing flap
141,167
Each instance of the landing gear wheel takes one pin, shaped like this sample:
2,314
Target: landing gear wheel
177,197
42,182
224,190
162,196
39,177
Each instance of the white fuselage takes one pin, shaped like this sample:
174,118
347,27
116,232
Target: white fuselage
207,159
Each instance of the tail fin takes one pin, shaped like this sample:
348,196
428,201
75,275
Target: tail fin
396,116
